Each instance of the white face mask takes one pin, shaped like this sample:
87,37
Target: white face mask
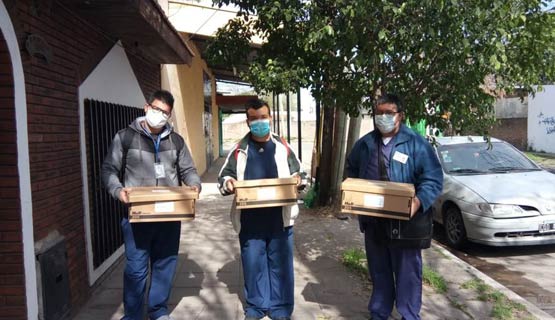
385,122
156,119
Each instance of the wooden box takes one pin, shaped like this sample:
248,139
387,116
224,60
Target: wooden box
262,193
156,204
377,198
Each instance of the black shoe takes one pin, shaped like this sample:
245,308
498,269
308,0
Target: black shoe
252,318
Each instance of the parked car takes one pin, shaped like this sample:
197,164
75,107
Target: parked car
493,194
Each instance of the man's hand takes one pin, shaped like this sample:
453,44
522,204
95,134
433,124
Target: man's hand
300,186
124,195
230,185
415,205
195,188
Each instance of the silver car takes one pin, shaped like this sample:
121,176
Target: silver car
493,194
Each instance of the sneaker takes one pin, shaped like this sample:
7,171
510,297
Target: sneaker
165,317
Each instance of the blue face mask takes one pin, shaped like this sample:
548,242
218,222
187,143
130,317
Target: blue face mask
260,128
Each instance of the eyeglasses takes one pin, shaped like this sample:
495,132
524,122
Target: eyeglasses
160,110
387,113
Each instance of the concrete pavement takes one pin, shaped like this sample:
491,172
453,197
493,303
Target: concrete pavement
208,283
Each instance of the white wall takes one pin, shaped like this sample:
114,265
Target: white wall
541,120
507,108
25,194
112,81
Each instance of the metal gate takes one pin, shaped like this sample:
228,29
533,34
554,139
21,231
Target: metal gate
102,121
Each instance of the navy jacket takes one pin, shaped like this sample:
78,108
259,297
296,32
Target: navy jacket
422,169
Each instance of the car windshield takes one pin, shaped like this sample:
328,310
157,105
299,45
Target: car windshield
476,158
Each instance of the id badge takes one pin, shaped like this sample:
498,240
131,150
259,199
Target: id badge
159,171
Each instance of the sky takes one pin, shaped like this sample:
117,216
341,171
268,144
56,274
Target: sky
549,4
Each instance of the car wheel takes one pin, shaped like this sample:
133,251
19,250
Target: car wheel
455,232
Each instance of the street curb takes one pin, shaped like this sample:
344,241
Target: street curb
531,308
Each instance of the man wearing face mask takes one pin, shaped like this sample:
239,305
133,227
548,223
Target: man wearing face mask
149,153
394,152
265,234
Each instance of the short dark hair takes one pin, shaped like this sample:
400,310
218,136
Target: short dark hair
256,104
162,95
391,98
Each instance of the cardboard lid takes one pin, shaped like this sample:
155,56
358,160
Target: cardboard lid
265,182
144,194
376,186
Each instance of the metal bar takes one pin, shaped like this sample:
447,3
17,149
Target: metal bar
220,133
108,132
288,104
278,119
102,121
92,190
274,111
97,196
299,125
318,125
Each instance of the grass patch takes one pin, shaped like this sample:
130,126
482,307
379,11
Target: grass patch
355,260
540,158
434,280
459,305
533,156
503,307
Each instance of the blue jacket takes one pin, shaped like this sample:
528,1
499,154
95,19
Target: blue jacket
422,168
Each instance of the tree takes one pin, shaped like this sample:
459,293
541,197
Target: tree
448,59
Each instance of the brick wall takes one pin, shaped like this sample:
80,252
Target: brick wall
53,123
12,283
512,130
147,72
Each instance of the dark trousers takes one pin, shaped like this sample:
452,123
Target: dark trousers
268,273
156,243
396,277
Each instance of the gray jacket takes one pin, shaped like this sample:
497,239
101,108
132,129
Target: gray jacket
140,159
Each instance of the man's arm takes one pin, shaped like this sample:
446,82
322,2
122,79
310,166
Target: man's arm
111,169
228,173
187,170
429,177
352,161
295,167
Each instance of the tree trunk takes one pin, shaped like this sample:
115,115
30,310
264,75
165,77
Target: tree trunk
338,154
325,168
354,133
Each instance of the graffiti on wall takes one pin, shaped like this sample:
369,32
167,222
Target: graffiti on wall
548,122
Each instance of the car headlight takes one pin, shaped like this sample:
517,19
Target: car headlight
505,211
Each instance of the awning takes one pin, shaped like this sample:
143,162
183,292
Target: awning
139,23
220,72
207,20
233,104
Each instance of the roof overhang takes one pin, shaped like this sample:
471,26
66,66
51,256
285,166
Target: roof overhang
220,72
199,24
233,104
140,23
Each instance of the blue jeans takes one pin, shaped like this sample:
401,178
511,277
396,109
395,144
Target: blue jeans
156,243
396,277
268,273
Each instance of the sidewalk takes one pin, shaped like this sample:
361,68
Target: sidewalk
208,283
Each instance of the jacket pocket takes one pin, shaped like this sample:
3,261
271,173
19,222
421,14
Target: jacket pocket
417,228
